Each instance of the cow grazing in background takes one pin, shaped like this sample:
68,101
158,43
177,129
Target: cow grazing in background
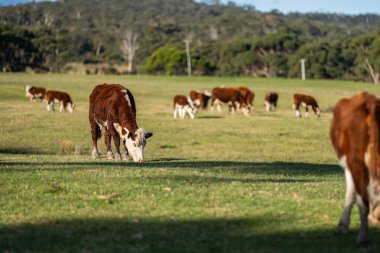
270,101
248,95
183,105
113,108
53,96
308,101
354,133
230,96
200,98
35,92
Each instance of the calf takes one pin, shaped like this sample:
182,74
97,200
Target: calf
113,108
183,105
271,101
35,92
200,99
354,134
53,96
308,102
231,96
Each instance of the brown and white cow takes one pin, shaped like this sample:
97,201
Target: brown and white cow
308,102
35,92
113,108
248,95
354,133
230,96
53,96
200,98
183,105
270,101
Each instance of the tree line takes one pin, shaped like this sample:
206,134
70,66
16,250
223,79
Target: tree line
225,40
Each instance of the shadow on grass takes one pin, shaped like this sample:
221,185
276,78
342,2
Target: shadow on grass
210,117
265,168
257,234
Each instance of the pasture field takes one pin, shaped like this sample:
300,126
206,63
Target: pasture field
218,183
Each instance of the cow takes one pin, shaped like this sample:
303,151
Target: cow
248,95
183,105
113,108
270,101
354,134
34,92
231,96
308,101
53,96
200,98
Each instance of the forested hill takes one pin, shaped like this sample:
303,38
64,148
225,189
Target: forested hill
93,31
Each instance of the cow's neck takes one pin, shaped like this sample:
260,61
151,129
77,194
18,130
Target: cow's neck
130,124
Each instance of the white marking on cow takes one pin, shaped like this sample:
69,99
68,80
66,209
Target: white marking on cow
367,157
126,97
267,106
298,113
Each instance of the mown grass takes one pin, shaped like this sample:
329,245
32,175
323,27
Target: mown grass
218,183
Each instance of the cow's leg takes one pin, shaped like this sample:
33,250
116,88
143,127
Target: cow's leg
182,112
125,153
267,106
116,140
349,201
175,112
307,108
107,141
50,106
190,112
212,105
298,112
274,106
61,107
95,134
361,183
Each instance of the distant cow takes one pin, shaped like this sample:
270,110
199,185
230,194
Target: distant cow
35,92
308,102
354,133
53,96
183,105
113,108
270,101
200,98
248,95
230,96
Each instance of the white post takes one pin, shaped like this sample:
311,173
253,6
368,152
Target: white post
188,57
303,69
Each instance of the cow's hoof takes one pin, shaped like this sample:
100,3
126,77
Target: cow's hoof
341,229
109,155
95,154
363,239
117,157
125,156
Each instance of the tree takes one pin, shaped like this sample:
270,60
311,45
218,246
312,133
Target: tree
129,47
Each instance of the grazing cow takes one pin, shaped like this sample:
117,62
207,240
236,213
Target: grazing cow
248,95
200,99
354,133
308,101
271,101
53,96
112,106
183,105
231,96
35,92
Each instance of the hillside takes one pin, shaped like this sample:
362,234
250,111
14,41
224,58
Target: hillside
92,31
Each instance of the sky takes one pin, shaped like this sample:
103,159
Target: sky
353,7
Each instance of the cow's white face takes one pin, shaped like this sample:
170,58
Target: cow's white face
134,142
71,107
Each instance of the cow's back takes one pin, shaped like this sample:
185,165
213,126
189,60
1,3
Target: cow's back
226,94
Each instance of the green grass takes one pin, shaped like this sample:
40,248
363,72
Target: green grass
218,183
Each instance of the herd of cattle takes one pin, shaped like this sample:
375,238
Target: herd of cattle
354,133
237,99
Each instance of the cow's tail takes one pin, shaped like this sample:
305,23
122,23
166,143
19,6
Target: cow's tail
373,119
27,88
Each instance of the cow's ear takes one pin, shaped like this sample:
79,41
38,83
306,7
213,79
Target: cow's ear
118,128
148,135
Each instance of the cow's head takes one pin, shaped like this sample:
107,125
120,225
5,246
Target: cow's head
317,111
134,141
71,107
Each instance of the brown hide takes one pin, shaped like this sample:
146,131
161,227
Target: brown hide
109,104
62,97
228,95
248,95
181,100
37,92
